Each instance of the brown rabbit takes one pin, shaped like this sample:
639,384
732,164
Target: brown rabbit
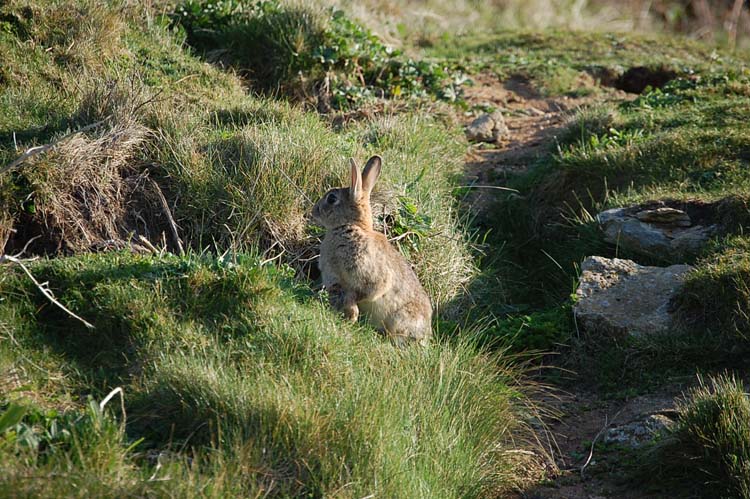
360,268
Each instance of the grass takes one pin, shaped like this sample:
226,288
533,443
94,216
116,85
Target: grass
705,454
716,296
577,63
237,171
237,379
311,53
681,143
684,143
242,382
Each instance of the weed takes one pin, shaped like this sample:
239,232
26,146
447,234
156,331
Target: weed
278,45
546,330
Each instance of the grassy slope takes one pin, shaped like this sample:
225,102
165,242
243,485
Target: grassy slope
238,383
565,62
239,171
182,360
687,143
245,383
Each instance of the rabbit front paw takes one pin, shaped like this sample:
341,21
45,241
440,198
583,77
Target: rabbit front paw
343,302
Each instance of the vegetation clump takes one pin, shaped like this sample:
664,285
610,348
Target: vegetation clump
707,451
295,47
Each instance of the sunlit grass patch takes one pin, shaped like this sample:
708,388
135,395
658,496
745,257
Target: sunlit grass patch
235,364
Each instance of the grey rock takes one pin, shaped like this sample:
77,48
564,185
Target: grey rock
611,215
489,127
660,231
665,215
620,298
691,240
637,433
633,234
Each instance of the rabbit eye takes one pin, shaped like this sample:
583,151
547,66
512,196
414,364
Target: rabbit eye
331,199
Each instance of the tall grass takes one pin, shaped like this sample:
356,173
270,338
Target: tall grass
233,368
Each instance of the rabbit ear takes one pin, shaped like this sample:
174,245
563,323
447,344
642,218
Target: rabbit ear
370,173
355,191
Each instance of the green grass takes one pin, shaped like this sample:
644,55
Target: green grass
246,384
237,171
685,142
559,62
238,381
682,143
310,53
706,453
716,297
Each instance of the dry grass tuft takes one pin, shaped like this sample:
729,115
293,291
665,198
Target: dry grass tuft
80,34
6,229
80,188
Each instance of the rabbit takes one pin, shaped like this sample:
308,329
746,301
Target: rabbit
360,269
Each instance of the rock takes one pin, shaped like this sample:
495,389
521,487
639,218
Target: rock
665,215
691,240
637,433
487,128
660,231
621,298
635,235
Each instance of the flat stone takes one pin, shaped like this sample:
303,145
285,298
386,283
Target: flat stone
633,234
661,231
637,433
665,215
619,298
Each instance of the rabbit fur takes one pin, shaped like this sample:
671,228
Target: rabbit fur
361,270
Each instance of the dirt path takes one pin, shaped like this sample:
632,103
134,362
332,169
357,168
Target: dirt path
586,471
533,122
596,443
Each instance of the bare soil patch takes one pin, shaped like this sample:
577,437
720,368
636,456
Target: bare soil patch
533,121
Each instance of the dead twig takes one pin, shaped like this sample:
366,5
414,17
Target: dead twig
148,245
403,236
593,442
44,290
494,187
46,147
170,218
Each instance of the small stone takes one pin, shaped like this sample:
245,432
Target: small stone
637,433
620,298
489,127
